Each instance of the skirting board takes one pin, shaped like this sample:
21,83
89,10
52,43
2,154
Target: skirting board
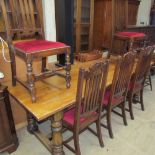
21,125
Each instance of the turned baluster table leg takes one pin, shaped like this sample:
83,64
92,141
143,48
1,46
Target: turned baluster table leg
68,69
56,122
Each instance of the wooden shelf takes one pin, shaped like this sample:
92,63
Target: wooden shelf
82,34
85,24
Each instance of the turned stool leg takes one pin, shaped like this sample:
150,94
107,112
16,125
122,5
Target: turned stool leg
56,122
30,79
43,69
68,68
130,44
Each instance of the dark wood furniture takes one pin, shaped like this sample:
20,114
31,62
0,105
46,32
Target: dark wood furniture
25,25
103,24
88,105
8,137
148,30
135,93
64,14
122,39
148,80
111,16
53,99
83,23
9,13
115,95
133,7
129,38
152,14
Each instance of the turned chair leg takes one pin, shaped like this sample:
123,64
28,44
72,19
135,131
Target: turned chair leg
68,68
130,106
141,100
99,134
124,114
150,81
76,144
43,68
109,125
30,79
13,65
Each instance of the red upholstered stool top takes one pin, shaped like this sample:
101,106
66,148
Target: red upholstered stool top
130,34
37,46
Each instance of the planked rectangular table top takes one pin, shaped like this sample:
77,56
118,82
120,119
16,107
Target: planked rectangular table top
52,94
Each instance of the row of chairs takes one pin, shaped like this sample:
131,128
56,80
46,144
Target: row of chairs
94,100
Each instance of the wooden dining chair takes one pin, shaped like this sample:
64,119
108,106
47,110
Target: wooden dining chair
23,20
115,95
90,91
136,87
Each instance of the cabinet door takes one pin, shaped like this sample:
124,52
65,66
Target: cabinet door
5,134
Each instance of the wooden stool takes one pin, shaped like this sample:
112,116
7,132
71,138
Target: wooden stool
129,37
26,22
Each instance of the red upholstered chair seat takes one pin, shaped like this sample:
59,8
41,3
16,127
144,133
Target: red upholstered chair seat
69,117
37,46
130,34
136,86
115,100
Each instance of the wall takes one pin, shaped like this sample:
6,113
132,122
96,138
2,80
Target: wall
144,12
49,23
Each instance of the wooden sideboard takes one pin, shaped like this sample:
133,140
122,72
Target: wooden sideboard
8,137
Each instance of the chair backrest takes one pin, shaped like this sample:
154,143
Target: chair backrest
90,89
143,65
122,76
23,18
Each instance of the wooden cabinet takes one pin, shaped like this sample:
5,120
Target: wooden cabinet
8,137
133,6
64,25
111,16
83,25
103,23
